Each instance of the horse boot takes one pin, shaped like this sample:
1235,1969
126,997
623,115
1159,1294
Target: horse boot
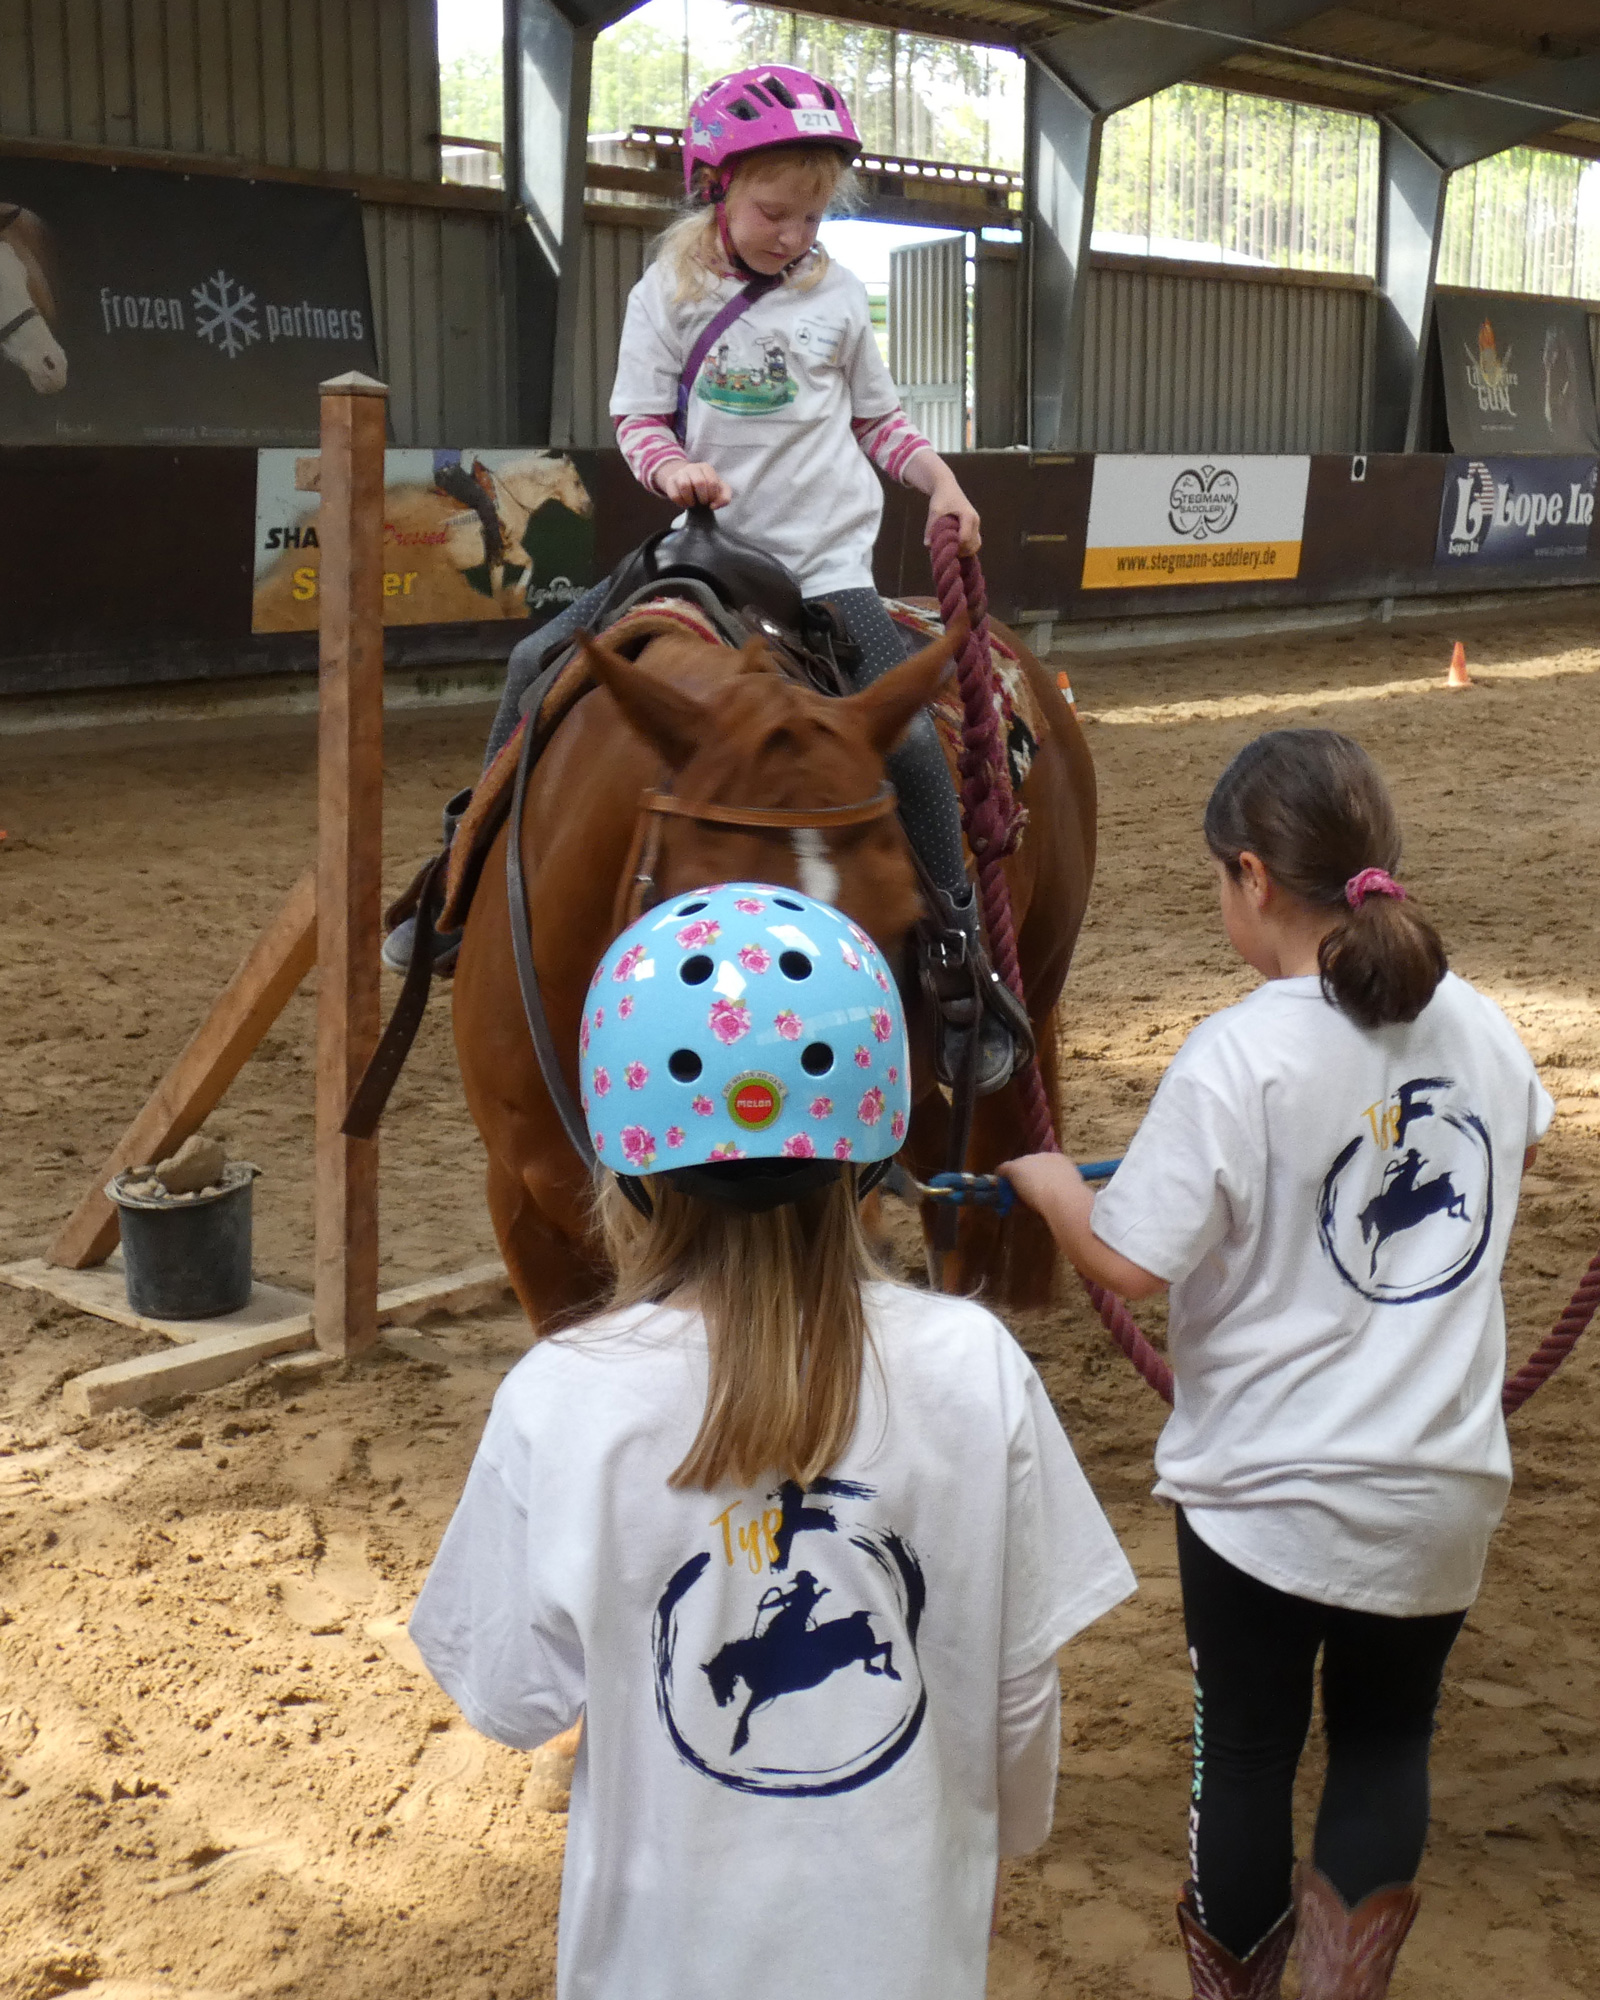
969,997
1214,1972
1345,1953
401,941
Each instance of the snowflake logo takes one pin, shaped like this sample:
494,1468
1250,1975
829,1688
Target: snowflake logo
225,314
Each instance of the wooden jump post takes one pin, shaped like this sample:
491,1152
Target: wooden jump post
349,853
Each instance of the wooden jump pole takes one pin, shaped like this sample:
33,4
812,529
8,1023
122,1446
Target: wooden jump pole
349,853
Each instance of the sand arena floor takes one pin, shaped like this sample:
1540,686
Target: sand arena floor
222,1772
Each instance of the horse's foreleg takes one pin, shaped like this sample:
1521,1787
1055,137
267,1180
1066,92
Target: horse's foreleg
550,1273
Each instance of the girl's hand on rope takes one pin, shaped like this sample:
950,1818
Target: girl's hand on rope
1050,1184
688,484
928,473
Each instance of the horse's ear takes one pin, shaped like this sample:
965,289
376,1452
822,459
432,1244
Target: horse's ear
887,708
668,718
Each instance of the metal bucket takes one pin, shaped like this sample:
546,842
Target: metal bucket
187,1256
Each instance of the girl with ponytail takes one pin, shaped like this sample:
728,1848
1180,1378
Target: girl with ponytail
1327,1179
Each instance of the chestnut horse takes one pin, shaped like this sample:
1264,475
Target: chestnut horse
728,728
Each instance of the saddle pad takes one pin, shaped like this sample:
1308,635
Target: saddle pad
491,797
1020,720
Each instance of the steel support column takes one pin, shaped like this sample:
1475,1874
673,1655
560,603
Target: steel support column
1422,145
548,54
1076,80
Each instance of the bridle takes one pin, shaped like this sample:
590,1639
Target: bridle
31,311
639,891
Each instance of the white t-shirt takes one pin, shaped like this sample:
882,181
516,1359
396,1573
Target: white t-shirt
771,410
1331,1206
787,1784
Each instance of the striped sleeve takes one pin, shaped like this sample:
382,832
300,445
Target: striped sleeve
650,446
891,442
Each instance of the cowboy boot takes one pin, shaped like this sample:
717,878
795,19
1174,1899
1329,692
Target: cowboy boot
1214,1972
969,995
1344,1953
398,945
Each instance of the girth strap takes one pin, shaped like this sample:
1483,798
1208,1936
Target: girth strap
818,819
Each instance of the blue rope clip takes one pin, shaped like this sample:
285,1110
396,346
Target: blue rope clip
992,1191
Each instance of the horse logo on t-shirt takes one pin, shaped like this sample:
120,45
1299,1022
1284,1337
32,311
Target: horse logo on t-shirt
1406,1207
822,1661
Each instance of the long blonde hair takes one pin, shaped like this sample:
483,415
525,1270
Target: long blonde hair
691,248
786,1330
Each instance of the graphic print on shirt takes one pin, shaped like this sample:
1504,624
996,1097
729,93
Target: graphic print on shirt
1406,1208
747,374
786,1648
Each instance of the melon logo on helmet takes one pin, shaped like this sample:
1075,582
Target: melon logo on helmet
755,1100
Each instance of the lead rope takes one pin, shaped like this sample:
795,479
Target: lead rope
994,821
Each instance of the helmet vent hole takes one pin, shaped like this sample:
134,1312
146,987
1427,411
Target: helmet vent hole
779,90
794,965
684,1065
758,93
741,109
829,99
697,970
690,909
788,903
816,1059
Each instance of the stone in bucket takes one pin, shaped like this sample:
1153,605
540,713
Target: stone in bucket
186,1232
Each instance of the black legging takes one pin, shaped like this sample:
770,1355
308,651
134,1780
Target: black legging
1254,1654
917,767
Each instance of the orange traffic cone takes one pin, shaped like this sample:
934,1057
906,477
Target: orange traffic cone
1459,677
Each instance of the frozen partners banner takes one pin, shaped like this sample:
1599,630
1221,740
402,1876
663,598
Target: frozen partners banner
1513,510
467,535
157,308
1155,521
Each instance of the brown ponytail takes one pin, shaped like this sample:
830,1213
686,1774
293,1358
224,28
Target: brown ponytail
1310,805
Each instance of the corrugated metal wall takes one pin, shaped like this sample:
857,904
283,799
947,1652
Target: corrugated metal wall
1216,363
614,258
437,299
344,86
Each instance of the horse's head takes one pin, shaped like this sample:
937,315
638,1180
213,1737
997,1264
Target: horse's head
751,737
27,305
527,483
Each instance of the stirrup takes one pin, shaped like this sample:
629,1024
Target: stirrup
969,998
401,915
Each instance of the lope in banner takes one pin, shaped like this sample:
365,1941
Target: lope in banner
1512,510
1517,373
154,308
1194,520
467,536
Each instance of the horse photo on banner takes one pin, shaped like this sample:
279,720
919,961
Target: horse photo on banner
467,536
1517,373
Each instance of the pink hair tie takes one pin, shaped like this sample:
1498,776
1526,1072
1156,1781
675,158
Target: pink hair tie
1372,882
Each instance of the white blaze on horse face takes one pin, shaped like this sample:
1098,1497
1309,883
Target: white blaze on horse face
819,878
32,346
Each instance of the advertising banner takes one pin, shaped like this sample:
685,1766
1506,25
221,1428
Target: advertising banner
1155,521
467,536
154,308
1512,510
1517,373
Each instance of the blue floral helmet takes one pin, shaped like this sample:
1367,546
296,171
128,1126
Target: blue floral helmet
743,1023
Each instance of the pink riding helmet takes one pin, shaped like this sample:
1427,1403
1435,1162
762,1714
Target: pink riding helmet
757,108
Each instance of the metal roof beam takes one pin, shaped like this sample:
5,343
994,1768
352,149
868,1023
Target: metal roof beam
1117,63
1457,130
